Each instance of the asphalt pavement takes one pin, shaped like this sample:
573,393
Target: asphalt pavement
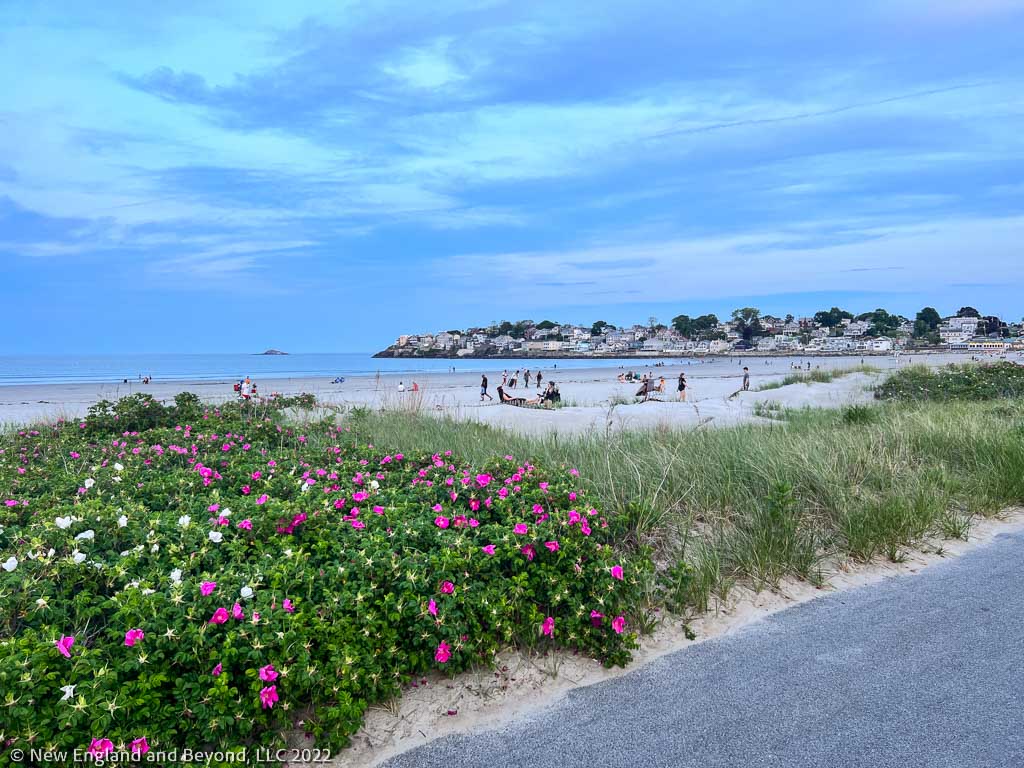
922,670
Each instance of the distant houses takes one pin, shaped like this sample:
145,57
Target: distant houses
832,332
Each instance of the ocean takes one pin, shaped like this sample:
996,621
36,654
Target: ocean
62,369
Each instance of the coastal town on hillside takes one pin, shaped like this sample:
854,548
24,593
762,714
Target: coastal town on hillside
833,331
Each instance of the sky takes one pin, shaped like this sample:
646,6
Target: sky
231,176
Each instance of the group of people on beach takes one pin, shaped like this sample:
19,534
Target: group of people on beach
512,382
246,388
549,395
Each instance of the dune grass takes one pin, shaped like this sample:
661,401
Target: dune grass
816,376
760,502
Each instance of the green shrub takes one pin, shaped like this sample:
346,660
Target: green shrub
954,382
351,572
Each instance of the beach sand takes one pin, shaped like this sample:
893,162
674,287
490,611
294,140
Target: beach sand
593,398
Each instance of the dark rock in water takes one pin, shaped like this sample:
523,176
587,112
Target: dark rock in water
273,352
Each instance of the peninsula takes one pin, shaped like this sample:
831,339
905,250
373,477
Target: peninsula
832,331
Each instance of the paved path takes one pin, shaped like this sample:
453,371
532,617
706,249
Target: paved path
924,670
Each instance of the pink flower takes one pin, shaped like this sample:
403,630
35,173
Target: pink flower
217,670
263,500
483,480
207,587
447,587
441,522
246,490
219,616
378,510
617,572
246,524
521,529
64,645
213,508
528,551
432,607
237,612
100,747
358,524
268,674
268,696
437,508
288,606
548,628
595,618
489,549
619,624
140,746
443,653
132,636
551,545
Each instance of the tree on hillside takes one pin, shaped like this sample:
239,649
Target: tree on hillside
881,323
926,323
748,322
545,325
683,324
968,312
833,317
601,327
994,325
705,325
789,319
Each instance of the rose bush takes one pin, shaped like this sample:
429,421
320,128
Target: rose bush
173,577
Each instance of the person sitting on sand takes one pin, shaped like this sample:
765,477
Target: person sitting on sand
622,378
551,394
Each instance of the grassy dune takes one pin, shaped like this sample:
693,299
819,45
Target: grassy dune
761,502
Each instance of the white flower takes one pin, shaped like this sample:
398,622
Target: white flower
10,564
215,536
184,521
246,592
126,553
116,479
41,603
63,522
122,521
304,488
78,557
176,576
51,552
155,548
89,482
288,553
374,484
148,591
90,534
69,692
226,512
119,466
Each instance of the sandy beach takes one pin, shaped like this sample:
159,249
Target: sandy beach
593,398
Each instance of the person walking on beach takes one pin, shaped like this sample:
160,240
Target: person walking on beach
401,386
504,378
483,388
539,377
746,378
526,377
514,380
681,387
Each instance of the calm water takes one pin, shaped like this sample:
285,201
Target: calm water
53,369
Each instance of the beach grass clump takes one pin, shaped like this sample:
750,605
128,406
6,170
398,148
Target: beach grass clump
817,376
954,383
226,580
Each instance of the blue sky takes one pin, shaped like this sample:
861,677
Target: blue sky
228,176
